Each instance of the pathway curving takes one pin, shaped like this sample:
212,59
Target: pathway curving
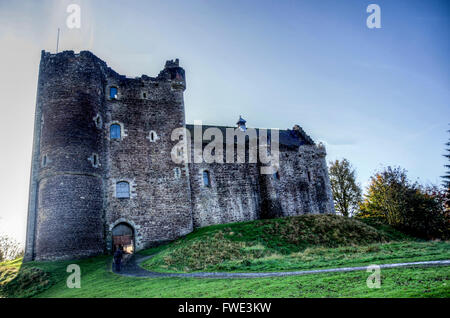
132,268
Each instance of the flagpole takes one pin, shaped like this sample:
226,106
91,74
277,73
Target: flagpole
57,42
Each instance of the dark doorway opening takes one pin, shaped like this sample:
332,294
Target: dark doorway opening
123,236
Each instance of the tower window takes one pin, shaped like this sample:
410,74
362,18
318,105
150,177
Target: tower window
276,175
113,92
309,176
152,136
98,121
44,161
115,131
144,95
94,160
122,189
206,179
177,172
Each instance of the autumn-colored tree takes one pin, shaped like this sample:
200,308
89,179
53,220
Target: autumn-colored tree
407,206
346,192
386,195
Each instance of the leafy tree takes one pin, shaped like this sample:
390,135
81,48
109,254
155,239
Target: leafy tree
346,192
407,206
386,195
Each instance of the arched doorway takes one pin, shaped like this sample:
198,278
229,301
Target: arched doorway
123,235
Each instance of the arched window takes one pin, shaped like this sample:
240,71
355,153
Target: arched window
206,179
113,92
114,131
122,189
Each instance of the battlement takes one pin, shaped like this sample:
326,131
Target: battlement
169,72
172,63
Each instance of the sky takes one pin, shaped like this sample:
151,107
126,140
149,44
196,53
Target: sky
377,97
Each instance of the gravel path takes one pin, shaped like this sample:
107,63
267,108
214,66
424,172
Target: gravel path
132,268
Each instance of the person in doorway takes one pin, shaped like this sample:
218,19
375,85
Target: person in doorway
118,258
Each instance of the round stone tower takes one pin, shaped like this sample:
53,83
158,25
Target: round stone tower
65,218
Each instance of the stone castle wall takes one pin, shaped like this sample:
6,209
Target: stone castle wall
302,186
76,165
239,192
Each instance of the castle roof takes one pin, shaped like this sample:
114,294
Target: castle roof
288,137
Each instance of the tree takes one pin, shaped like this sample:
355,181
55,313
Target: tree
9,248
346,192
386,195
407,206
446,177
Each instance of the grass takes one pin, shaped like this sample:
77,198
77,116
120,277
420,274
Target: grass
98,281
18,281
302,242
295,243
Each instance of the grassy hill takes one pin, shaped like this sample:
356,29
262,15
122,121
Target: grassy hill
293,243
319,241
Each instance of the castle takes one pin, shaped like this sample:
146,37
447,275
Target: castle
102,174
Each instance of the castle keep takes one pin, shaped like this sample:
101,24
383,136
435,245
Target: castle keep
102,173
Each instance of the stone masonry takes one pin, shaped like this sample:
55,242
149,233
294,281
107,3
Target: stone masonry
78,164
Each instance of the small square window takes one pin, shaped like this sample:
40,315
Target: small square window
122,189
206,179
115,131
113,92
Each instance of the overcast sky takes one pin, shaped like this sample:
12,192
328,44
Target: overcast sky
375,96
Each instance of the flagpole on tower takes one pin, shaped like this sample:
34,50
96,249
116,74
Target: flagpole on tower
57,42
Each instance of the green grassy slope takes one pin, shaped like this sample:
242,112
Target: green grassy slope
301,242
98,281
296,243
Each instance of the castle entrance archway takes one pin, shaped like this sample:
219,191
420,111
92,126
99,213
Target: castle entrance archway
123,235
